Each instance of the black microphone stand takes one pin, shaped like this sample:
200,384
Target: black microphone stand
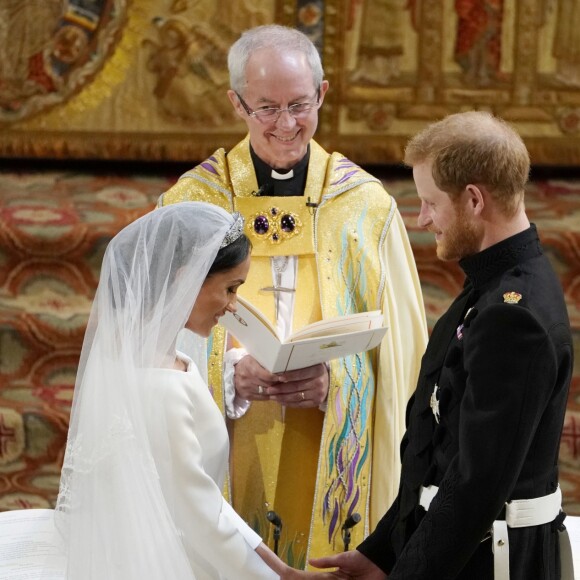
349,523
275,519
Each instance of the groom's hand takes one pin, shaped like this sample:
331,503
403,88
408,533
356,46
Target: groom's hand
350,564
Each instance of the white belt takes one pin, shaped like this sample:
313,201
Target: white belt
519,513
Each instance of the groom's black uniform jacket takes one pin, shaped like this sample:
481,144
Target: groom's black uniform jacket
501,357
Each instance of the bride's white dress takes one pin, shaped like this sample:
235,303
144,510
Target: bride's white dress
219,544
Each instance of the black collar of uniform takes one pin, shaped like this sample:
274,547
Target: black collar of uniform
281,187
497,259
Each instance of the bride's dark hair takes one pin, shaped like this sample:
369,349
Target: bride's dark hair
231,255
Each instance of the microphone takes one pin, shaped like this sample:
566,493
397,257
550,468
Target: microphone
349,523
311,206
265,189
276,521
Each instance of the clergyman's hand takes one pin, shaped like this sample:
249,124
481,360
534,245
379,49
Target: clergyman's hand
351,564
252,380
301,388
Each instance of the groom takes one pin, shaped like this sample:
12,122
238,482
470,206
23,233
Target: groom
479,495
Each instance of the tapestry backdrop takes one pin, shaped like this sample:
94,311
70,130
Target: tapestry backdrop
147,79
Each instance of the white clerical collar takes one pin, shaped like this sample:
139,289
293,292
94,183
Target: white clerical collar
276,175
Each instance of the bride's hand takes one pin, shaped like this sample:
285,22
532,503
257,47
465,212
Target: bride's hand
292,574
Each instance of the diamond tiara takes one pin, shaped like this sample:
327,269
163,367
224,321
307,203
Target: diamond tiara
235,231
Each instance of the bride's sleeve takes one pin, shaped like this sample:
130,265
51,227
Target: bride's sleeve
212,532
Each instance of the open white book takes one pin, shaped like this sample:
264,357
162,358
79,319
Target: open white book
316,343
29,548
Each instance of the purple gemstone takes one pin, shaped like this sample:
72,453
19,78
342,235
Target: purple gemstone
275,237
287,223
274,211
261,224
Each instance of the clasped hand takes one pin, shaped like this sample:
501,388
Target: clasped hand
350,565
302,388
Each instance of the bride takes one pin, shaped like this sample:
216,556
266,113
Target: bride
141,486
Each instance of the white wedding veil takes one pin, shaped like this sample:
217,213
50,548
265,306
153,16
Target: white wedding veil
113,517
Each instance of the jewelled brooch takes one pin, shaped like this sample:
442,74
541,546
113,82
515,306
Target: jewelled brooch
274,225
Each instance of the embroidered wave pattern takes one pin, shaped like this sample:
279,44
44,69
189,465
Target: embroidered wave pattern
345,163
211,167
348,451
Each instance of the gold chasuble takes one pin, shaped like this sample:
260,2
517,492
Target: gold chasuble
312,468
